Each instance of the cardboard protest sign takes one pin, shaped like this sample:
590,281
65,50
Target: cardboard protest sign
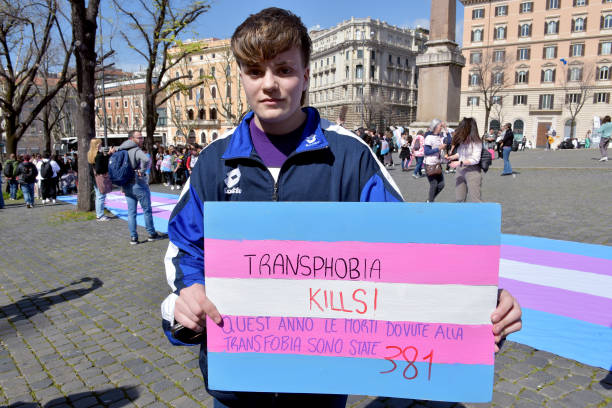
389,299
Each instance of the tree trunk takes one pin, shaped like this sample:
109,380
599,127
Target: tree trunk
486,122
11,136
151,117
84,32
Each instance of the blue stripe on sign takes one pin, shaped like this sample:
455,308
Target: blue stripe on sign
576,248
438,223
571,338
341,375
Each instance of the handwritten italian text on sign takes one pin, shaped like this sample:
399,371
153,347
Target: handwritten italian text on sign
323,298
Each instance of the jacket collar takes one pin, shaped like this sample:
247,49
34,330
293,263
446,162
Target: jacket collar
241,145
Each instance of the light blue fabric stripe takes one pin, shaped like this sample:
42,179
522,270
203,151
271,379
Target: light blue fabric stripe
571,338
441,223
343,375
576,248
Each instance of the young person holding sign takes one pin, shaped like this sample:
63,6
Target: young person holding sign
279,152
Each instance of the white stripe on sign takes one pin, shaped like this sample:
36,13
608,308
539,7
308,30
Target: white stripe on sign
568,279
454,304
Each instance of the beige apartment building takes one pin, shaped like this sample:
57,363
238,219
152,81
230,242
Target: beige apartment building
363,73
541,62
201,114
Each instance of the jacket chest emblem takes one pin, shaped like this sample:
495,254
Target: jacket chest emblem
231,180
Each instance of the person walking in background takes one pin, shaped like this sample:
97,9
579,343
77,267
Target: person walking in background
490,143
9,169
418,151
26,174
385,151
587,139
605,132
467,161
48,171
507,148
434,145
98,170
137,191
166,169
405,151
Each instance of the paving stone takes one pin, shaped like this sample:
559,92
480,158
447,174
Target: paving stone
184,402
170,394
532,396
579,380
583,398
553,392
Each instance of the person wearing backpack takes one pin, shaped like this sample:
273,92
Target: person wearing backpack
48,172
135,186
26,174
9,170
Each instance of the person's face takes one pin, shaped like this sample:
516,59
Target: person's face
437,128
274,89
138,139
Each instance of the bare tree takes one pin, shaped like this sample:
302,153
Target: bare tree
84,36
159,29
27,29
577,84
374,108
224,101
497,108
490,74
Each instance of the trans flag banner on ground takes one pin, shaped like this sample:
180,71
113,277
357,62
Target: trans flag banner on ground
318,298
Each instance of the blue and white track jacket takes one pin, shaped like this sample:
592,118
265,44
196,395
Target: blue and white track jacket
330,164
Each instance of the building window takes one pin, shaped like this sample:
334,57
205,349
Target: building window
546,101
575,74
572,98
601,97
552,4
474,79
579,25
477,13
606,22
520,100
500,33
348,55
497,78
605,48
213,92
499,55
603,73
190,114
550,52
548,75
526,7
359,54
202,114
359,71
213,114
577,50
116,104
552,27
501,11
125,121
125,104
497,100
372,71
108,104
189,73
476,57
522,77
473,101
523,54
346,72
359,91
477,35
525,30
191,94
578,3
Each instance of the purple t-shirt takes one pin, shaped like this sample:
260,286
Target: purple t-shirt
274,149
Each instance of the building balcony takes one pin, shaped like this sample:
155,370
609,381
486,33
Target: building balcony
556,109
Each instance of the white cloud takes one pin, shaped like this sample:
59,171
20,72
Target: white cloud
419,22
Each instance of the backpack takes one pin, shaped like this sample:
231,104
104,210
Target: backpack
46,171
29,173
417,145
9,167
119,168
485,159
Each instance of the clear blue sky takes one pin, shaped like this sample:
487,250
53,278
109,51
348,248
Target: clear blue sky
225,15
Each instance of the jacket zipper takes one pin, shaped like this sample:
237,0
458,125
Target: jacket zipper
275,194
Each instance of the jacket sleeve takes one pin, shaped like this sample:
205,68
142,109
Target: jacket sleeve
376,183
184,261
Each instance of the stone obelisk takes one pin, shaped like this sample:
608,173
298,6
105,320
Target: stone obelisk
440,68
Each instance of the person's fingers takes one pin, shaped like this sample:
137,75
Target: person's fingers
211,310
505,302
189,318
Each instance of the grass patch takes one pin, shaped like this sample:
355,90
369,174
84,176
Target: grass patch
63,217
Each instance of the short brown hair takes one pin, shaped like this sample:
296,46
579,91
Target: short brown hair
264,35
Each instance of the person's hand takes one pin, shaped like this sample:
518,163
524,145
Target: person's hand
192,306
454,164
506,318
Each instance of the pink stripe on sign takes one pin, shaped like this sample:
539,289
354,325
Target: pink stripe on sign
379,262
562,260
450,343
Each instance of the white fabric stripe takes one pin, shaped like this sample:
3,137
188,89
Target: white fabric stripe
327,125
167,307
575,281
171,253
455,304
185,189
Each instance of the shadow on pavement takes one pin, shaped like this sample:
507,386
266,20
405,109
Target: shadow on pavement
118,397
35,303
400,402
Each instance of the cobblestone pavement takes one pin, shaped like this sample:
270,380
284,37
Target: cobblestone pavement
79,306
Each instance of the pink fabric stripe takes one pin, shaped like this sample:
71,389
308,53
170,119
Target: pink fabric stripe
122,205
407,263
589,308
473,346
557,259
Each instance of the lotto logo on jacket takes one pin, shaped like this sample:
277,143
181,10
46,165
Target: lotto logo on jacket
231,181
